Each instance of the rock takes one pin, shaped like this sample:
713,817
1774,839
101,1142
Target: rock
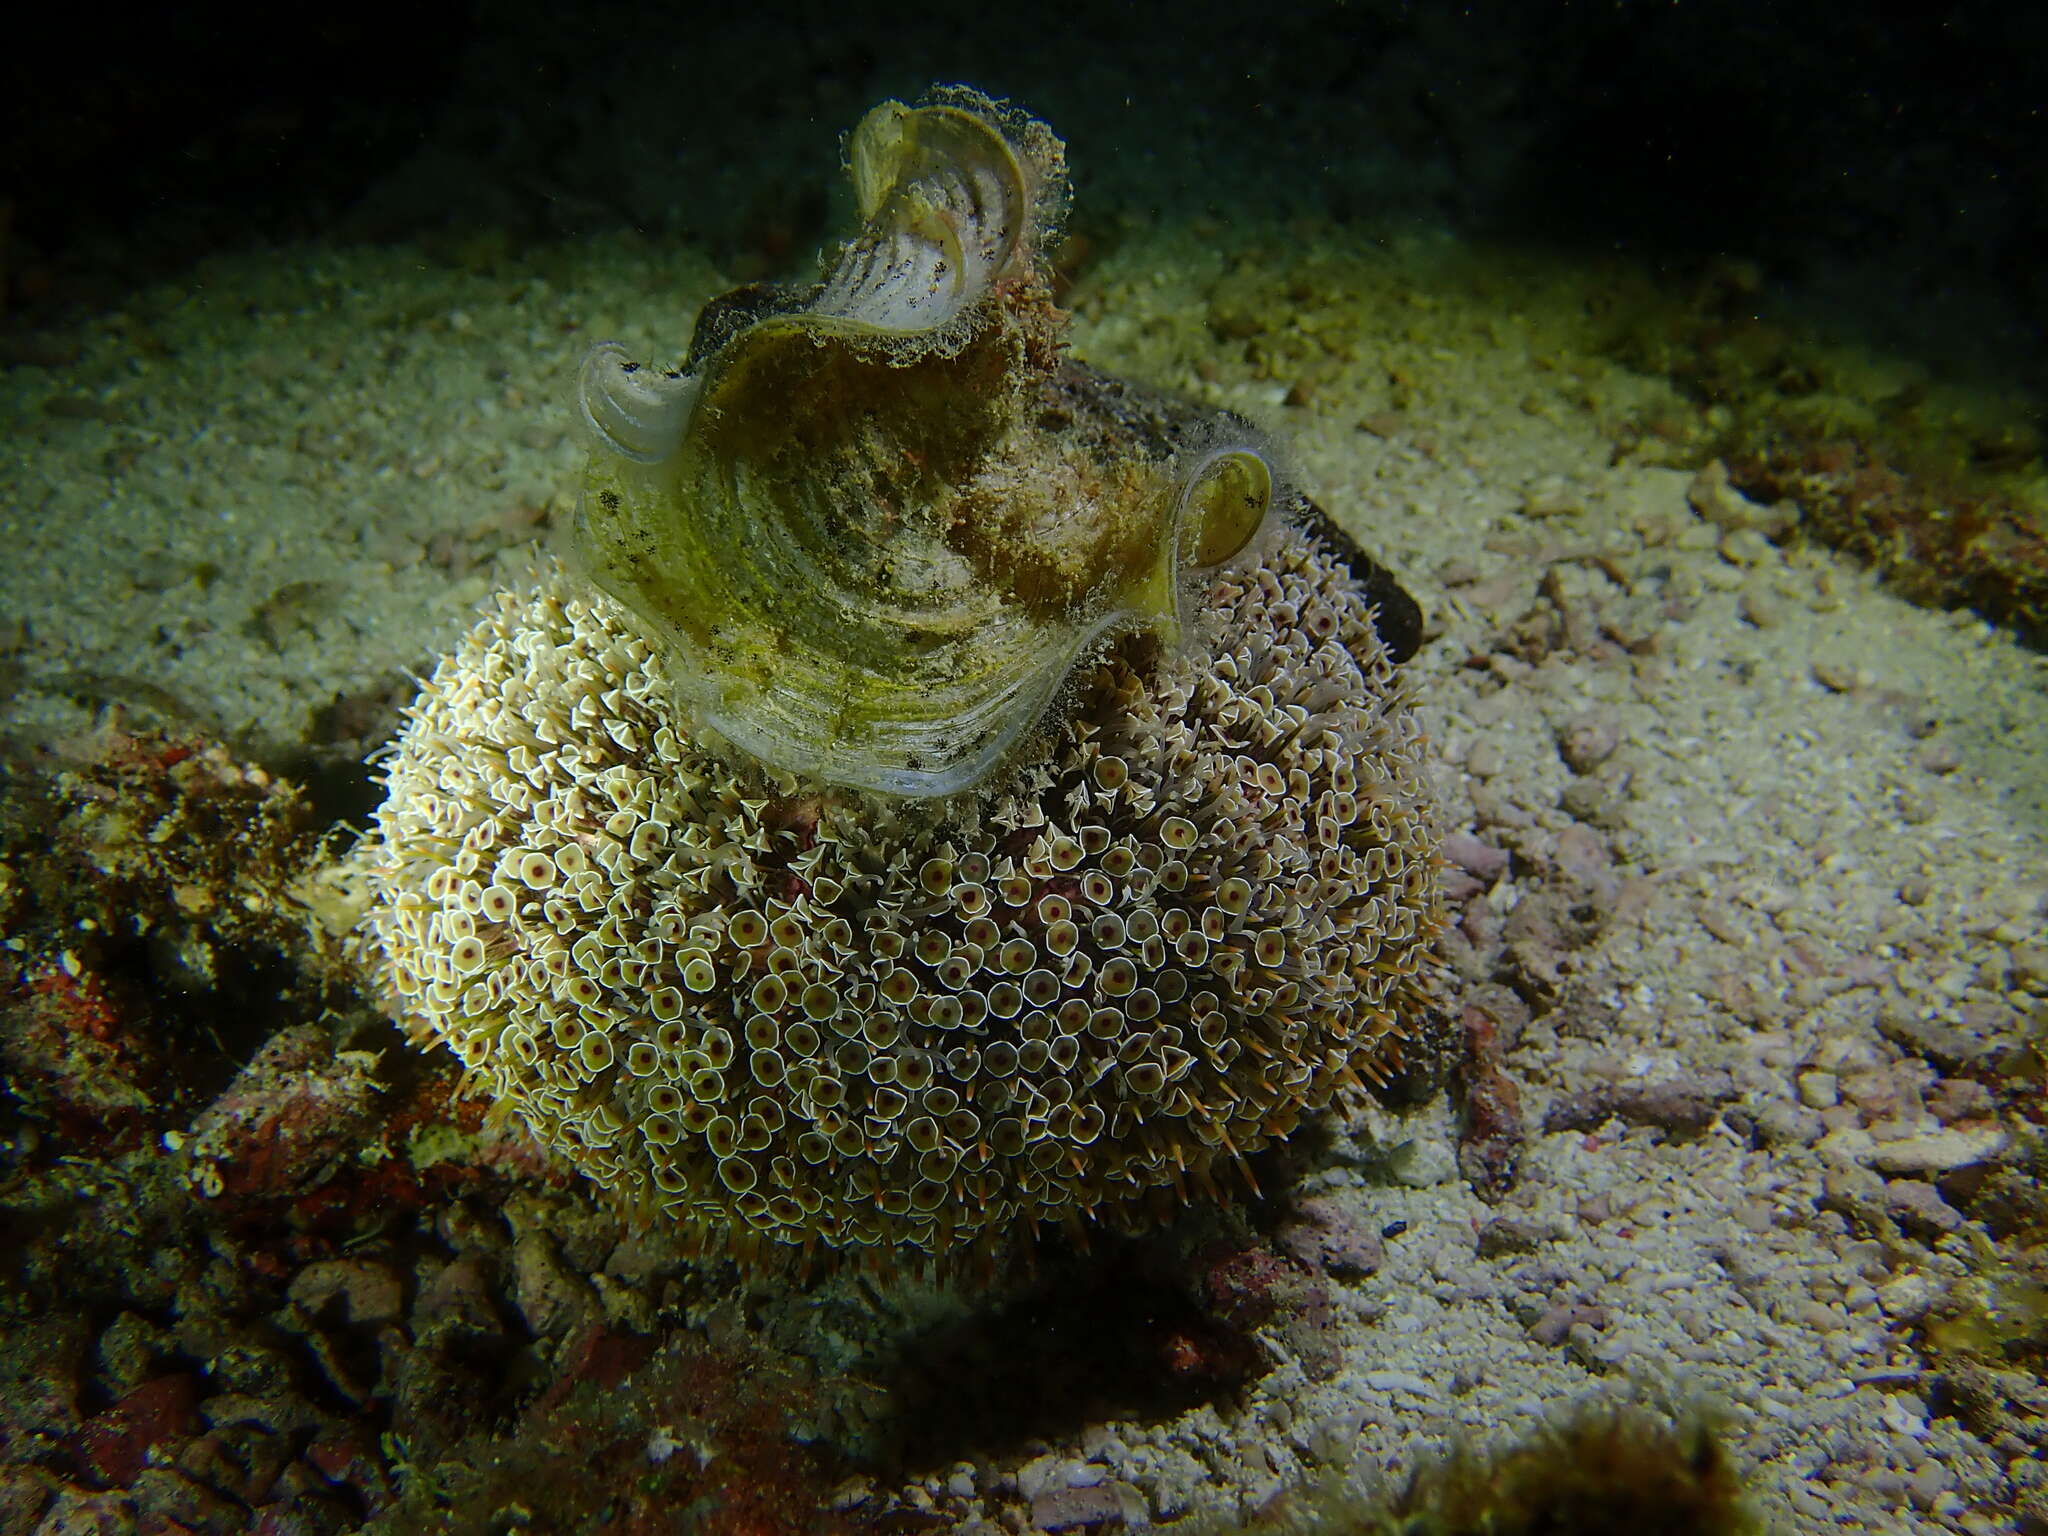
1761,609
25,1492
244,1462
1940,757
1919,1208
549,1296
131,1350
345,1456
1557,1323
1594,802
1580,855
1475,857
1819,1090
459,1298
1946,1047
1491,1136
78,1513
1744,547
1959,1098
1683,1106
1856,1193
1587,743
1779,1124
1908,1295
1067,1509
1325,1234
1039,1475
361,1291
247,1366
1838,676
850,1493
116,1443
287,1121
1877,1094
1714,498
274,1413
1929,1482
469,1227
1940,1151
1552,496
1511,1234
167,1500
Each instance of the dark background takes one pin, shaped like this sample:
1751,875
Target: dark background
1885,161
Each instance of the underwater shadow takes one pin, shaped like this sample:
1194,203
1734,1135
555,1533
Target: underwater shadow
1111,1334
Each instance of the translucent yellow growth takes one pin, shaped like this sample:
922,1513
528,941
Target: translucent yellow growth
880,522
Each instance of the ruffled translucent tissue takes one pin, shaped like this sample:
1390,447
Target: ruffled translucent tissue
877,524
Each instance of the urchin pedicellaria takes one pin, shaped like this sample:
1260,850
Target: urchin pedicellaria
1191,894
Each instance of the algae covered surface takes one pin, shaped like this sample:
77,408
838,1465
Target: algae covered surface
1731,1180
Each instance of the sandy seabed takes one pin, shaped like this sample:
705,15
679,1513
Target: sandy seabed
1749,830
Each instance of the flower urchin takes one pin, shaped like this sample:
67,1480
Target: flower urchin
753,1004
1162,875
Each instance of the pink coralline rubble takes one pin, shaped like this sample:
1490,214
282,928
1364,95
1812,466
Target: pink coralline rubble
288,1121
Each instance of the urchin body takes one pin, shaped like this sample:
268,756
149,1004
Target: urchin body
747,1003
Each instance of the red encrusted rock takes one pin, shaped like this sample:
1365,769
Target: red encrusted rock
288,1122
115,1444
67,1049
598,1355
1245,1286
346,1457
1490,1139
1682,1106
1326,1233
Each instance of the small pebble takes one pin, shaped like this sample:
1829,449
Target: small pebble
1838,676
1761,609
1819,1090
1720,503
1587,743
1553,496
1475,857
1745,547
1940,757
1915,810
1511,1234
1959,1098
1484,760
1592,802
1556,1324
1929,1484
1780,1124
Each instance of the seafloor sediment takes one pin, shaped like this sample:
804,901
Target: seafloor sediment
1747,854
